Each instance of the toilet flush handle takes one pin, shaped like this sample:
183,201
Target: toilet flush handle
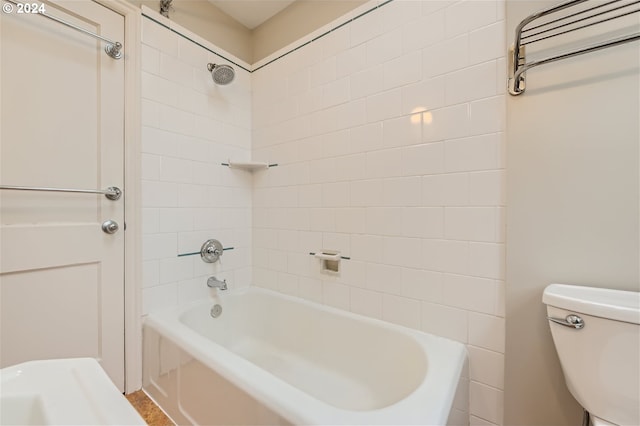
573,321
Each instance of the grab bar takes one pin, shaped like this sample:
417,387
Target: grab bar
112,192
113,48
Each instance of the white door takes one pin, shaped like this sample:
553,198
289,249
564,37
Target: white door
62,124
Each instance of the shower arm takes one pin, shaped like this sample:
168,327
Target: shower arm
166,7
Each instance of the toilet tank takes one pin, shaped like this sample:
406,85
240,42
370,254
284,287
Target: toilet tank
601,360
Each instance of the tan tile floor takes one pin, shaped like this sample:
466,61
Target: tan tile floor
149,411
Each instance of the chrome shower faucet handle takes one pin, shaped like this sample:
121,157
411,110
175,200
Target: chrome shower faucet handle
211,251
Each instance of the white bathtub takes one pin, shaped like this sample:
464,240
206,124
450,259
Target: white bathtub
275,359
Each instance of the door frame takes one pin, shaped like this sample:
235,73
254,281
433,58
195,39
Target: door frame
132,213
133,234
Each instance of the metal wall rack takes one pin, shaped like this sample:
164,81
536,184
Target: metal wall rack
562,19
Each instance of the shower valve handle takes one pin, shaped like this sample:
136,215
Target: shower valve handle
211,251
214,251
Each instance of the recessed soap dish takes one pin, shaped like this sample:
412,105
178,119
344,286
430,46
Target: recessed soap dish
330,261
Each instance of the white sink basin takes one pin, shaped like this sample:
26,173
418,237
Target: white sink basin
22,410
65,391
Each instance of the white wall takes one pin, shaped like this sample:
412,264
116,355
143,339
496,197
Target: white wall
295,21
210,23
573,214
415,199
190,126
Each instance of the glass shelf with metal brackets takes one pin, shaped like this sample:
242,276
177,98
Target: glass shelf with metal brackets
249,166
210,251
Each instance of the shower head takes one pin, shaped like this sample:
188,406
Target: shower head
221,74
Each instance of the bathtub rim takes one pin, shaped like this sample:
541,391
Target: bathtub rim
430,403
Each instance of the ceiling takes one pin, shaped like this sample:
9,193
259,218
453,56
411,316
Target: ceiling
251,13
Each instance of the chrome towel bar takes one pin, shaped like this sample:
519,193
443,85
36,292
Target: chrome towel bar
596,12
112,192
113,48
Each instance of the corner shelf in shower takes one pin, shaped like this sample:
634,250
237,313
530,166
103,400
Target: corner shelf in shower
249,166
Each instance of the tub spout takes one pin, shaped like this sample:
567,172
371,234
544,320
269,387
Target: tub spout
213,282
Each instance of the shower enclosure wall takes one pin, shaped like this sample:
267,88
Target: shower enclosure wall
388,134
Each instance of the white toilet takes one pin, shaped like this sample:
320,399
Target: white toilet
596,332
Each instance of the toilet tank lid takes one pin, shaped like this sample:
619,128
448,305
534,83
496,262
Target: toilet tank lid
600,302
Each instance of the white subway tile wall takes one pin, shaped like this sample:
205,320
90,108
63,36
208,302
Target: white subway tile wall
389,135
389,138
190,127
